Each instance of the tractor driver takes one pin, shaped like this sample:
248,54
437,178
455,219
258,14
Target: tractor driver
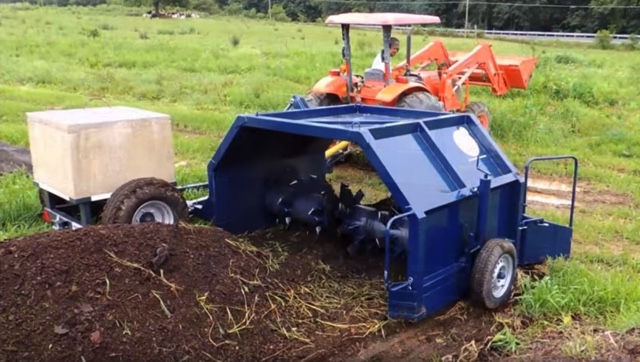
394,47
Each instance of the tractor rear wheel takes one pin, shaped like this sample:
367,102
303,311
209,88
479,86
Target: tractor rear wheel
481,111
420,100
322,100
494,273
144,200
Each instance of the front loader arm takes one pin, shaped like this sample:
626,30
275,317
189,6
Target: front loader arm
434,51
482,64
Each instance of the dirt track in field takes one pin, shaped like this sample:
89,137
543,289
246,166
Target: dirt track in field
13,158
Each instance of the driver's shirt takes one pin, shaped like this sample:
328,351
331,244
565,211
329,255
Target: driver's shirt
377,62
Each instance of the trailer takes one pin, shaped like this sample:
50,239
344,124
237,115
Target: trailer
461,226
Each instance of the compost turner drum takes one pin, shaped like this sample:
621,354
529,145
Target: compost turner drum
459,226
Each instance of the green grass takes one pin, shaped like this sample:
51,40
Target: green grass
204,72
603,289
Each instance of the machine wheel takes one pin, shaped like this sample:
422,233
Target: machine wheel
146,199
481,111
322,100
420,100
494,273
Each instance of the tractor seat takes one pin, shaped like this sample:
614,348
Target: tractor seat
373,74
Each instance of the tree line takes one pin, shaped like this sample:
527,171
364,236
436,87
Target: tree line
586,16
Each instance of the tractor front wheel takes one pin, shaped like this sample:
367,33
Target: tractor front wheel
420,100
494,273
144,200
481,111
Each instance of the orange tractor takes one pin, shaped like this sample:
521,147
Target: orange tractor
398,86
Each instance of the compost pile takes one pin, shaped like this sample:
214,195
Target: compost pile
169,293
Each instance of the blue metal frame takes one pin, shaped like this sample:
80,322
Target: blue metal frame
452,203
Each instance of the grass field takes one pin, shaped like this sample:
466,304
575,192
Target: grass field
203,72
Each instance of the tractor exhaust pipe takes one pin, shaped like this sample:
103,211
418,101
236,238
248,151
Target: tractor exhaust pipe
347,59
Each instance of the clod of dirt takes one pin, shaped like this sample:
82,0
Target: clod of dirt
13,158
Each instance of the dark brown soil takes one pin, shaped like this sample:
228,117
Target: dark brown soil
163,293
90,293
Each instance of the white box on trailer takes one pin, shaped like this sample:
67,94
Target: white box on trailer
89,152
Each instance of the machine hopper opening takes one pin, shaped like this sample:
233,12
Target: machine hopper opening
274,179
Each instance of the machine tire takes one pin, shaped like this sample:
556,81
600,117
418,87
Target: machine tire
481,111
492,255
321,100
128,198
420,100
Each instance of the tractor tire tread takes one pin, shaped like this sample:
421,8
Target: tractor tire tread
482,272
126,199
420,100
479,108
321,100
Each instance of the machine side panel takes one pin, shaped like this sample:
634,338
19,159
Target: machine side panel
414,167
464,133
438,161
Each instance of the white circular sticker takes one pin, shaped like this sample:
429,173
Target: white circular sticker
465,142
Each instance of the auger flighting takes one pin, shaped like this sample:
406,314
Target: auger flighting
367,224
303,200
312,202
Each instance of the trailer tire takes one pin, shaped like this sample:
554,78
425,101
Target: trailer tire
495,257
124,206
481,111
420,100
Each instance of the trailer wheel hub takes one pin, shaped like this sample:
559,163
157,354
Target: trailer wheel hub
502,273
154,211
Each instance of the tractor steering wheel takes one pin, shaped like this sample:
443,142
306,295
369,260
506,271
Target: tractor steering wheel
413,77
409,74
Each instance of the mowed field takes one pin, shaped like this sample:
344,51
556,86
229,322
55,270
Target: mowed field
204,72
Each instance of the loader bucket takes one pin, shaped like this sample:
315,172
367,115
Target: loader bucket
454,187
517,70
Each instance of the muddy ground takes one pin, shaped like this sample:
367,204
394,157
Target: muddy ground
13,158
